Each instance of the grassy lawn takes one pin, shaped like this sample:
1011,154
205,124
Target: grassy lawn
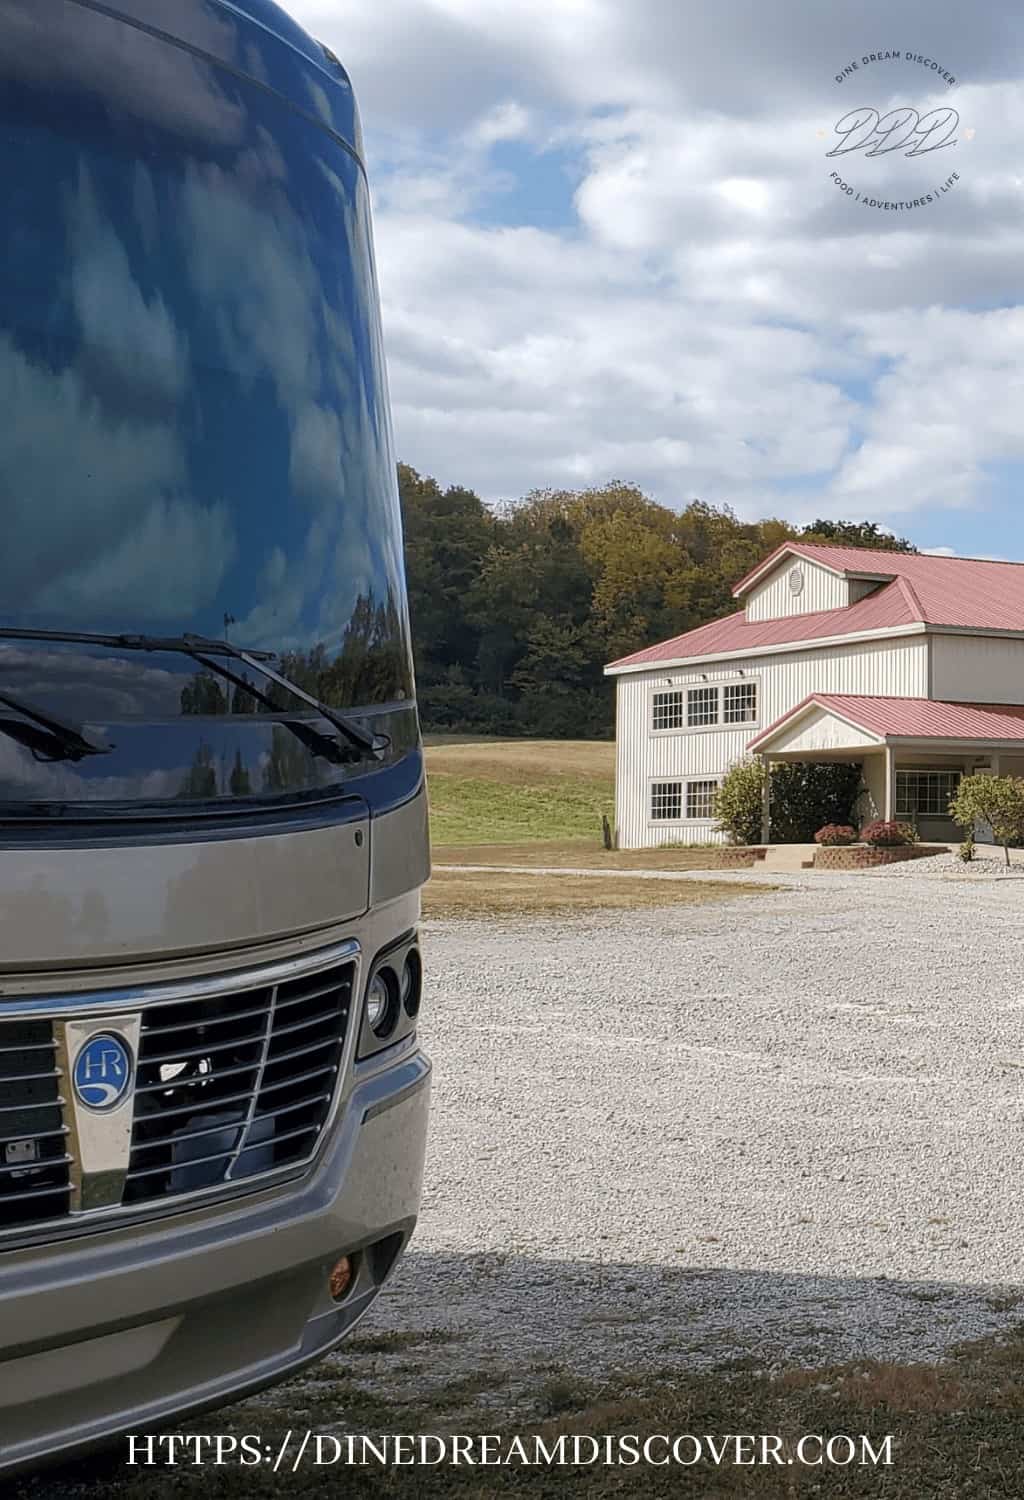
452,893
533,803
955,1428
504,791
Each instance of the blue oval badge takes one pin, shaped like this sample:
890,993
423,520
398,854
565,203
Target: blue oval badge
103,1072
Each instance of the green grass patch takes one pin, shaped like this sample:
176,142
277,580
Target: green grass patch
472,810
503,791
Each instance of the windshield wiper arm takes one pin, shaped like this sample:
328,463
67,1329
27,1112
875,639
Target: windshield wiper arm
54,740
198,646
316,742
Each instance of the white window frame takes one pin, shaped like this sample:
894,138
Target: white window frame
691,791
921,771
709,692
751,685
684,783
668,692
689,685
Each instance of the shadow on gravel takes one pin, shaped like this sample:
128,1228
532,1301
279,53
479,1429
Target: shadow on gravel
517,1344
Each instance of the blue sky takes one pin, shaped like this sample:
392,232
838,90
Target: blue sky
610,248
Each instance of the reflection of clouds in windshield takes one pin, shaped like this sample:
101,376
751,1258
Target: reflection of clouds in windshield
267,277
82,686
168,565
51,525
316,469
97,524
126,336
256,276
131,72
23,779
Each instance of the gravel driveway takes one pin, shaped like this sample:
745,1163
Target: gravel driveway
789,1127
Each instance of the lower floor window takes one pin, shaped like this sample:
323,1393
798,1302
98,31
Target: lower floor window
672,801
666,800
700,798
926,792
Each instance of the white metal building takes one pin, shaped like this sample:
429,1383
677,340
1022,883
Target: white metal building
910,666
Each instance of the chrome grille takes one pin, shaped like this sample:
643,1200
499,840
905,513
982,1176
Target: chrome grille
235,1078
34,1183
229,1086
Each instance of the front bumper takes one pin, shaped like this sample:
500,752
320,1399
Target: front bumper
123,1330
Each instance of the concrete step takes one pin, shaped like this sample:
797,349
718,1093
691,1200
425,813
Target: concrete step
789,857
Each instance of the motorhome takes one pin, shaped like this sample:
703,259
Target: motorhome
213,830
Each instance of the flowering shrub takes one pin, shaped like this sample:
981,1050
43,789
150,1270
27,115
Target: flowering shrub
835,833
882,834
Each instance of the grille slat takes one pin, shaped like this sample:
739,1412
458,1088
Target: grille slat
243,1015
37,1135
289,1109
232,1084
205,1048
319,1020
287,1136
25,1169
36,1186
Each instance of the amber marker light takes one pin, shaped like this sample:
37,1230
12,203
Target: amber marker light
340,1278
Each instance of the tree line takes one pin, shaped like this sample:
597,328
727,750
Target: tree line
516,608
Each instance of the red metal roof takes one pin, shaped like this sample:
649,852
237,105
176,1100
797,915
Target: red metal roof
914,718
949,590
888,607
958,591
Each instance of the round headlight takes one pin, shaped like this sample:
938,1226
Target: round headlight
382,1003
412,983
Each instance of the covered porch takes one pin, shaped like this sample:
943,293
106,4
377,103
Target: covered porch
912,752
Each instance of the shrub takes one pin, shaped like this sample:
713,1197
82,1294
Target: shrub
835,833
806,796
738,801
966,850
995,800
885,835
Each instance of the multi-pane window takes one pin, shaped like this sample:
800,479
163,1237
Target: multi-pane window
739,703
700,799
926,792
701,707
705,707
674,801
668,711
666,801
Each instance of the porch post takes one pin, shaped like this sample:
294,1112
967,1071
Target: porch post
997,761
890,784
766,801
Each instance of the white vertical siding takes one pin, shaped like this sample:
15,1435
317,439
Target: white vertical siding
895,667
774,598
977,669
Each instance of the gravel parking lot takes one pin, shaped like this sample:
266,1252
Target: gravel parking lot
786,1128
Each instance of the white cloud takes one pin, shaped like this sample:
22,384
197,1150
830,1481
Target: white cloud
717,319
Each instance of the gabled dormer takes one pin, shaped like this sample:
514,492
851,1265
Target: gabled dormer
793,581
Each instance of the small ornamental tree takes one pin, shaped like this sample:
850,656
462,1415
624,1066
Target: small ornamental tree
739,799
995,800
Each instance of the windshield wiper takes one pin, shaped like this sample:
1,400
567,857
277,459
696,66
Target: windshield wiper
202,648
53,739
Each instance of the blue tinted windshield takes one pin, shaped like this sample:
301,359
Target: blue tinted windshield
194,434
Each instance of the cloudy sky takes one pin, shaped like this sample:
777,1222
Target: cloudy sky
610,246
